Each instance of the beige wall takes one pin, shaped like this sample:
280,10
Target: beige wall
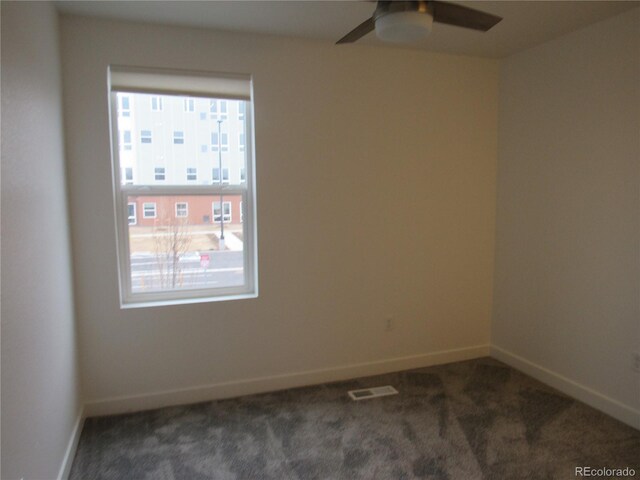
40,394
567,282
376,185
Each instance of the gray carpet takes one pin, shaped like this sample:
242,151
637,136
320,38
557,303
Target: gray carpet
469,420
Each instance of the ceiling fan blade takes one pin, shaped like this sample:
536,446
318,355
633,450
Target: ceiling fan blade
358,32
453,14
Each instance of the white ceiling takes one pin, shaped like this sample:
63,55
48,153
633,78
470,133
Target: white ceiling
524,25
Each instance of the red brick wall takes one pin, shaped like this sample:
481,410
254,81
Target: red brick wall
199,207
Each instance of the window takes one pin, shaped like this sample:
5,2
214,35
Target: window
223,110
156,104
126,139
125,106
183,215
241,142
182,209
149,210
215,175
131,211
241,109
215,143
218,109
226,217
128,175
203,115
243,174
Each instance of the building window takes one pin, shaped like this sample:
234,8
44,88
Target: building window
241,213
125,106
226,217
241,142
156,103
223,110
126,140
215,142
216,175
128,175
203,115
131,214
149,210
183,215
218,109
243,174
241,109
182,209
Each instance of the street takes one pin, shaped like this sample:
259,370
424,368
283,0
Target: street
224,269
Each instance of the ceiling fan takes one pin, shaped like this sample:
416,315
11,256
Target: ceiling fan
408,21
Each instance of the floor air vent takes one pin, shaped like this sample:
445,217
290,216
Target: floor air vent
366,393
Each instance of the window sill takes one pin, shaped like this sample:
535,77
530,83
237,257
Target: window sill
186,301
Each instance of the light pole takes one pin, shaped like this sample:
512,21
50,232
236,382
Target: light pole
221,245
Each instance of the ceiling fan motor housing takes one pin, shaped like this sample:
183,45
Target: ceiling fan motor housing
403,22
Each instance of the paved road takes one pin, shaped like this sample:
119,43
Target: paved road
225,269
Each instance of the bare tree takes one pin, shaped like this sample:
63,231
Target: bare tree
172,240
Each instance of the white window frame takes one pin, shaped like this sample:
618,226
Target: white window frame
189,105
143,135
186,210
226,217
178,137
241,141
133,217
194,173
207,87
146,205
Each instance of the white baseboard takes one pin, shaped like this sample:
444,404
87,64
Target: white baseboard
237,388
595,399
72,446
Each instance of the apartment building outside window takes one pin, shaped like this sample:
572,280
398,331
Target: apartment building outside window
180,209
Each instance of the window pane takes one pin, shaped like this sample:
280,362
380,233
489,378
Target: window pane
188,244
165,133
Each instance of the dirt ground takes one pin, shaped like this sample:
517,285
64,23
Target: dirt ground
202,237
